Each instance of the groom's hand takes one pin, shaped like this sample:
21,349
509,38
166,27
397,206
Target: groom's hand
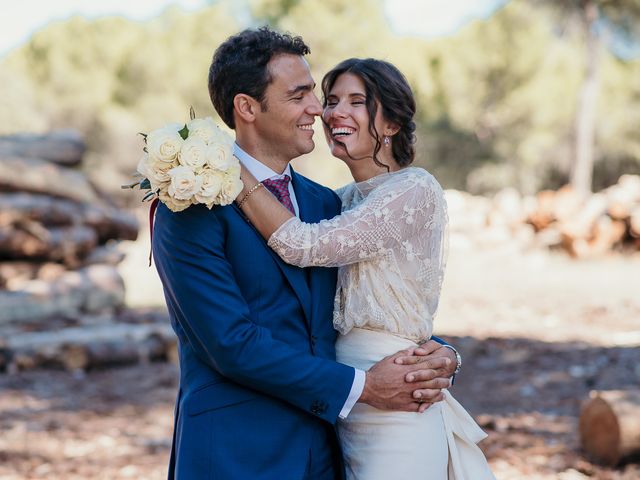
386,389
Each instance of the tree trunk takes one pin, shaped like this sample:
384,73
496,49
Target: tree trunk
582,169
610,425
64,147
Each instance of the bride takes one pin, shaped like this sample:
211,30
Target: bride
389,243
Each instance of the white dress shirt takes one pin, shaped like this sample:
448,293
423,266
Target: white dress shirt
262,172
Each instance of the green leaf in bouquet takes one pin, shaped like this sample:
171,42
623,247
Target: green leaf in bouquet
145,184
184,133
144,136
192,113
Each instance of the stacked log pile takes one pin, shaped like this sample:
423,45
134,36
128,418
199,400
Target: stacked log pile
584,227
61,296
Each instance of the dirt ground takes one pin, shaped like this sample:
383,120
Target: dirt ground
537,332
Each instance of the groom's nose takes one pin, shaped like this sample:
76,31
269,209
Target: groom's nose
314,107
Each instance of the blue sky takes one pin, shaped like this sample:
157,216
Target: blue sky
429,18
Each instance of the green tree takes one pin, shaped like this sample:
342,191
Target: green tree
597,20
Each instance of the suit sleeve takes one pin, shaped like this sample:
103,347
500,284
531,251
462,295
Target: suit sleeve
200,285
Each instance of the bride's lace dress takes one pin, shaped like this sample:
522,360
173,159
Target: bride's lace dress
389,242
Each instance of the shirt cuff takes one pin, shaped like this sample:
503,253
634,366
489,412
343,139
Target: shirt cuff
356,390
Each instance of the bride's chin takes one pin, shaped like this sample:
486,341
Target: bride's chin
338,151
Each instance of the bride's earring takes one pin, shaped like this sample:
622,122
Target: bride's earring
386,141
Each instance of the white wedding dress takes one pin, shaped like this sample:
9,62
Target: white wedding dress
389,243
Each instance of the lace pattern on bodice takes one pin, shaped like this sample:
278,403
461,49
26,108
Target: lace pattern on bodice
389,243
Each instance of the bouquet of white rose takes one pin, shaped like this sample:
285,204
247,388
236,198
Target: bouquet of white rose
187,164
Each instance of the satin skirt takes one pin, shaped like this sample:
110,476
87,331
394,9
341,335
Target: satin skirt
439,444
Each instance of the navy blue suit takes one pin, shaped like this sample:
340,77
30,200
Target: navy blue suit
258,377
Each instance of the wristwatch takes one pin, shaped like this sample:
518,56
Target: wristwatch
458,359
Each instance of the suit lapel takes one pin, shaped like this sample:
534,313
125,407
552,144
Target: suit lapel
309,204
311,211
294,275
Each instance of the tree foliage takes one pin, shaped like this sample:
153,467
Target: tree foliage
496,101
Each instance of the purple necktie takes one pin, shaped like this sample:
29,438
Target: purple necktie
280,188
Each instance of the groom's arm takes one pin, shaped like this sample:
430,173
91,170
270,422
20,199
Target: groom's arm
200,284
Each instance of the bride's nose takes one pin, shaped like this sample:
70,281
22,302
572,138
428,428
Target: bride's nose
338,111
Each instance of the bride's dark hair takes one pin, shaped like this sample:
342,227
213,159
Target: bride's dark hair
383,83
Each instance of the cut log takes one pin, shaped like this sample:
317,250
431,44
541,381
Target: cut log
610,425
16,272
94,289
581,224
105,254
16,275
47,210
39,176
109,223
567,203
31,240
543,215
64,147
606,233
82,348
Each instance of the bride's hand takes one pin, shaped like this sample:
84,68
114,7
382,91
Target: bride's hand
437,366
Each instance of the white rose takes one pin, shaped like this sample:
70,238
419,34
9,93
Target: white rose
231,186
173,204
220,156
210,187
165,143
203,128
156,171
184,183
193,153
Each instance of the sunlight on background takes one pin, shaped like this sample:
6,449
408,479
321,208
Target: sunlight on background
21,19
414,17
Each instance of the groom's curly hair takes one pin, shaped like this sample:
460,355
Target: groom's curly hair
239,65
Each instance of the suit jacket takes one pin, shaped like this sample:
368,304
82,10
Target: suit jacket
255,340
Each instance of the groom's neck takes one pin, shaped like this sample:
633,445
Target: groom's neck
274,160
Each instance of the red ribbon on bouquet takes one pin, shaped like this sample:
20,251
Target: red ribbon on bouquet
152,213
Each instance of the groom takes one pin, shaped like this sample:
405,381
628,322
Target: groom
260,390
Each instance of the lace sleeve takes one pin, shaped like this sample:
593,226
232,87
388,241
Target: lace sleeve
407,213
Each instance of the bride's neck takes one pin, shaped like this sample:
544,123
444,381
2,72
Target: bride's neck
366,169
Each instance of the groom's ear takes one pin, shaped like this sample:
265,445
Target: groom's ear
245,107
